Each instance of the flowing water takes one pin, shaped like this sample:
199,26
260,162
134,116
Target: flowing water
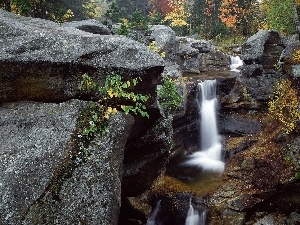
152,217
194,217
209,156
235,63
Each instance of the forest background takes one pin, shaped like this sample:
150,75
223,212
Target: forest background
217,20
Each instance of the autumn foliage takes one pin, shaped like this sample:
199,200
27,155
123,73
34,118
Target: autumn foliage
284,106
161,6
230,12
178,16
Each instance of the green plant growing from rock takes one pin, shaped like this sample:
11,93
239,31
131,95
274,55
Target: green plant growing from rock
168,95
116,93
284,107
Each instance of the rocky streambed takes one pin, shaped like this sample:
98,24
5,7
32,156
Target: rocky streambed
127,171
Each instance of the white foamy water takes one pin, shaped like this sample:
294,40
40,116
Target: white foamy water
235,63
194,217
209,156
152,217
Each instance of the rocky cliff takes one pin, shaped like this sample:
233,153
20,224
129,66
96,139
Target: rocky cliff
45,176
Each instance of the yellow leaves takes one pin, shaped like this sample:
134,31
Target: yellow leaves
111,93
92,9
68,15
125,21
296,56
156,49
178,16
109,111
284,107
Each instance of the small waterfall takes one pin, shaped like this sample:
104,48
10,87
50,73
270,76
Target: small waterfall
152,217
235,63
209,158
194,217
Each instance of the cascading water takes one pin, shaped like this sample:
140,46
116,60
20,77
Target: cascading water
194,217
209,158
235,63
152,217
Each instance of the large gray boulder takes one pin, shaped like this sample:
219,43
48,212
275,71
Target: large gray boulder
261,53
45,177
41,60
33,138
36,185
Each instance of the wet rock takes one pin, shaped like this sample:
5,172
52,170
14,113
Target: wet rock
254,48
173,208
185,125
260,53
43,61
238,98
235,125
225,85
215,60
146,157
241,148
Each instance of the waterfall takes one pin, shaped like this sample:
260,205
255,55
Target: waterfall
235,63
152,217
209,158
194,217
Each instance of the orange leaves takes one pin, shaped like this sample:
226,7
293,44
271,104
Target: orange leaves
230,12
161,6
178,16
210,7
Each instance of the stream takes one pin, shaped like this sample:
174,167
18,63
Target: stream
200,171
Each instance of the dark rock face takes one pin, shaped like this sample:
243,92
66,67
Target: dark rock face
90,26
234,125
260,54
214,60
146,157
43,61
291,67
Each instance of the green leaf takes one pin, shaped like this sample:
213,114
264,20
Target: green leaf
297,175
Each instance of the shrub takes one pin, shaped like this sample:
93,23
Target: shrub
296,57
168,95
115,94
284,107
